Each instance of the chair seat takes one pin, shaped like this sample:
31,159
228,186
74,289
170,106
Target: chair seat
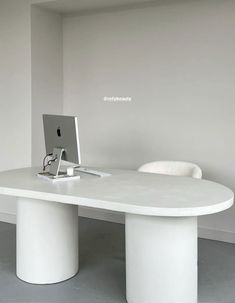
177,168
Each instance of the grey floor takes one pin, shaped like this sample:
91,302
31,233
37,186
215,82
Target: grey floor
102,270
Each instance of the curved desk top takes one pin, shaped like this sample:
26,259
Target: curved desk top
125,191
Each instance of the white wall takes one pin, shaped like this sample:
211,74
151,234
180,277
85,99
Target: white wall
177,63
20,115
15,90
47,74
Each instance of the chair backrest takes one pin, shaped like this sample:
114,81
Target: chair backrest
177,168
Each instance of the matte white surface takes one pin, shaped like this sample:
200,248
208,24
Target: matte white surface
124,191
47,241
161,259
177,168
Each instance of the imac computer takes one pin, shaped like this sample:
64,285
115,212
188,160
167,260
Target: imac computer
62,143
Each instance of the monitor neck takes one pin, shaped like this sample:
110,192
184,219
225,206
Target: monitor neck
56,162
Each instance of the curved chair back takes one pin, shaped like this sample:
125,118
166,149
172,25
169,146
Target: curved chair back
177,168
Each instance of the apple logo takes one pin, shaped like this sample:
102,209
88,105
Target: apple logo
58,132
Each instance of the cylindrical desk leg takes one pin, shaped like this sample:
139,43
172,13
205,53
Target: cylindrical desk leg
161,259
47,241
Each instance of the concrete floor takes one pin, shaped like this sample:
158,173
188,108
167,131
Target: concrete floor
102,270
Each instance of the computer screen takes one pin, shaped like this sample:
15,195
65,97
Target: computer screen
62,132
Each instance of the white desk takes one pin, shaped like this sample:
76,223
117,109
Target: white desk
161,227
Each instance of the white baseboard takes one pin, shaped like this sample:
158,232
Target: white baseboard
205,233
85,212
217,235
103,215
8,218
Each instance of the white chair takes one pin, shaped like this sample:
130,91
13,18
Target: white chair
176,168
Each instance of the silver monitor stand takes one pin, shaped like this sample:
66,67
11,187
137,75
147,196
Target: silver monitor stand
54,172
55,165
